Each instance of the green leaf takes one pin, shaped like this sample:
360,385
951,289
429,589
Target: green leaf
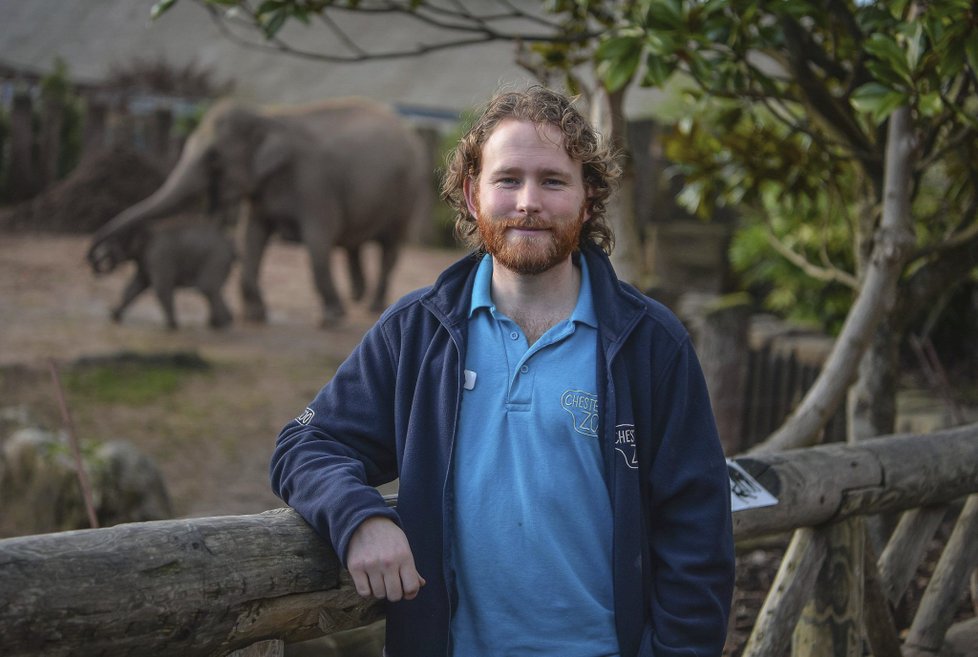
274,23
665,14
897,7
269,6
160,7
617,47
618,59
930,104
657,70
877,100
971,53
886,50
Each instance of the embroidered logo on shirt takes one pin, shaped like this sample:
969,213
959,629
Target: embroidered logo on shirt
625,444
583,407
306,416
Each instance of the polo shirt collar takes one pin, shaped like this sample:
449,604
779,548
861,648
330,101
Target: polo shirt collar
482,296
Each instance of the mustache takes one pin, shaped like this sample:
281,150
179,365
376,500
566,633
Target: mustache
530,223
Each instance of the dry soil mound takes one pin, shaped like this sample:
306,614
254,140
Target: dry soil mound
101,186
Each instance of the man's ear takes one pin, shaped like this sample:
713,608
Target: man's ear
471,193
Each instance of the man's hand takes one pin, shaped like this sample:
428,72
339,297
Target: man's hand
380,561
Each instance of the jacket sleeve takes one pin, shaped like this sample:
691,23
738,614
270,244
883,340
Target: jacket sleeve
691,532
327,461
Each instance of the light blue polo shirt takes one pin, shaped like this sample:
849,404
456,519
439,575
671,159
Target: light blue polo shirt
533,520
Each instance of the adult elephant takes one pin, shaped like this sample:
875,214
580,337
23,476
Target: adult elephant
332,174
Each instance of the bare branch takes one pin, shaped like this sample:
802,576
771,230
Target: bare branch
340,34
827,274
479,28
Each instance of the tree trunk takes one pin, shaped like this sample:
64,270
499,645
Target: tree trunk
872,400
628,258
876,298
724,351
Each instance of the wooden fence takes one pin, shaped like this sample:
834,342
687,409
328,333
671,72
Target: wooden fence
214,586
757,368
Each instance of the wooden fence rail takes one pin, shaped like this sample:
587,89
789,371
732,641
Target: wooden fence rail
211,586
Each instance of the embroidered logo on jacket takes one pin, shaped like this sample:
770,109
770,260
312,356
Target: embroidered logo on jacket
625,444
583,407
306,416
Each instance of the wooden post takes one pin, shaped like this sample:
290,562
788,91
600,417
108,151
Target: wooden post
722,348
271,648
906,549
22,180
881,631
792,585
831,624
52,120
93,132
939,602
159,134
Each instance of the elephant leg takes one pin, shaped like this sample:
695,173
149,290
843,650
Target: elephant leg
389,251
220,314
357,281
211,283
319,241
136,286
164,292
255,240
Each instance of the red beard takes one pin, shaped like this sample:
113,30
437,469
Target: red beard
530,254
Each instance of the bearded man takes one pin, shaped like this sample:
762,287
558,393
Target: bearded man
562,490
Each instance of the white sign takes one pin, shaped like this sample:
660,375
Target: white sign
745,491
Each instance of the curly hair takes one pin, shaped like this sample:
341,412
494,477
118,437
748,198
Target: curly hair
541,106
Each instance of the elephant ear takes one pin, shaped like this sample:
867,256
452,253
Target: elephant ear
272,154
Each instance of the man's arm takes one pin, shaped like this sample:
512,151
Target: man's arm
328,461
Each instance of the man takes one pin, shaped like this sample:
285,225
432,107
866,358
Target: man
562,489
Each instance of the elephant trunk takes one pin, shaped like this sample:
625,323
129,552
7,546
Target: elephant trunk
186,184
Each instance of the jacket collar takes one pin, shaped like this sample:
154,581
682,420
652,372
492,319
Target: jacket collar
618,305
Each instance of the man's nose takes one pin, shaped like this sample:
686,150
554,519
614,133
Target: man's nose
528,200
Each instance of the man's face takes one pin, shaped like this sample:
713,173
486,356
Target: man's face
529,201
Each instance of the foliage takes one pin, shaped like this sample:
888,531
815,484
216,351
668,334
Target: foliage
785,110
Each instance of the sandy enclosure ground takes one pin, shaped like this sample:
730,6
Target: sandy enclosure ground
212,438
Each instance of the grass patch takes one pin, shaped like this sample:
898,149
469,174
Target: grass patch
131,379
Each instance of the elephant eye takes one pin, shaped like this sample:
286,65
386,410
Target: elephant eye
211,159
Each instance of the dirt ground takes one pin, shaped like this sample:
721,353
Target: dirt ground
212,436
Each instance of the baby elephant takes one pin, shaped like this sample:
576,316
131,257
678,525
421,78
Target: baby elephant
184,251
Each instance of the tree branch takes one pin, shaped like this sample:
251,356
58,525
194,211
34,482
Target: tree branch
478,27
938,275
876,296
827,274
823,103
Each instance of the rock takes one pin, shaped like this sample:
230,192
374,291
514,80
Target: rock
40,491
